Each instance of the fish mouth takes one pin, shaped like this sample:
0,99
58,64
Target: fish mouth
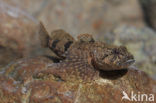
128,62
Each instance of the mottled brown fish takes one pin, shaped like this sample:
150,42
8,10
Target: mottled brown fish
85,57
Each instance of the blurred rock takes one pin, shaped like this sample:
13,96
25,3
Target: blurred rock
18,85
140,42
32,6
19,34
83,16
149,9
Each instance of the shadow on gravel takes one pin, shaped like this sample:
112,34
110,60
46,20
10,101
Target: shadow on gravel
115,74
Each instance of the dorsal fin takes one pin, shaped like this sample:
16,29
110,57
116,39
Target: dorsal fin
60,41
85,38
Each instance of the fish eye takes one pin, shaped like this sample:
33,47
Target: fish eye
115,51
